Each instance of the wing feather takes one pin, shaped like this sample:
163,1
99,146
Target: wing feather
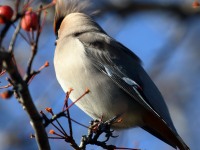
120,64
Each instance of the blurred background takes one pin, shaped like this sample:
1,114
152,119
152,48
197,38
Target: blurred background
164,34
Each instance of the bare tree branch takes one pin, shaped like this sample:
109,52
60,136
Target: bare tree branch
24,97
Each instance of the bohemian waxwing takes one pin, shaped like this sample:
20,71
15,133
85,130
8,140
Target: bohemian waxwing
87,57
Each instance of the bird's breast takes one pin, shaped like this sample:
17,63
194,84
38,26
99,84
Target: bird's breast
74,70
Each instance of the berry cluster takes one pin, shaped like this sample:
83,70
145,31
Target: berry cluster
29,20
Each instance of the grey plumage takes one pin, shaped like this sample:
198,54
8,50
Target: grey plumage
86,57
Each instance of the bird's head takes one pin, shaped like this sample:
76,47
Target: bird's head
64,8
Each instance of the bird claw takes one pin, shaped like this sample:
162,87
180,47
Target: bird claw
97,128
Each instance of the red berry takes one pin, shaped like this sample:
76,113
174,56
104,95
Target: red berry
195,4
6,14
6,94
29,21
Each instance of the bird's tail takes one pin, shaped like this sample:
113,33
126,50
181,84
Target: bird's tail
160,129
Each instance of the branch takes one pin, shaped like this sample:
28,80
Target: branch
15,34
24,97
34,46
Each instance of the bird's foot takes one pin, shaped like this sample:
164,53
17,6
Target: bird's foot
96,129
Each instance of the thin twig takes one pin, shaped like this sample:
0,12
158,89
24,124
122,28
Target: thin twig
25,39
17,4
73,120
68,114
29,78
6,86
2,72
64,133
59,115
14,37
7,27
54,137
86,92
62,129
34,47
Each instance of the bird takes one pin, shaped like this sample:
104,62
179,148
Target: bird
87,57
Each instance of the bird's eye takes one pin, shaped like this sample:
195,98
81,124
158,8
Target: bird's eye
77,34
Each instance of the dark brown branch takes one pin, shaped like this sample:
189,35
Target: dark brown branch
8,25
34,46
17,4
13,40
68,114
59,115
24,97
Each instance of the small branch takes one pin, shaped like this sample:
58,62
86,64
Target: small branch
57,116
60,128
5,86
7,27
2,72
24,97
34,47
68,114
65,136
29,78
96,129
86,92
17,4
13,40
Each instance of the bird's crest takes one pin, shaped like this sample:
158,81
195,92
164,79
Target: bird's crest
66,7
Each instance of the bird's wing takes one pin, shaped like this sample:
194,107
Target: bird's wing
124,68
